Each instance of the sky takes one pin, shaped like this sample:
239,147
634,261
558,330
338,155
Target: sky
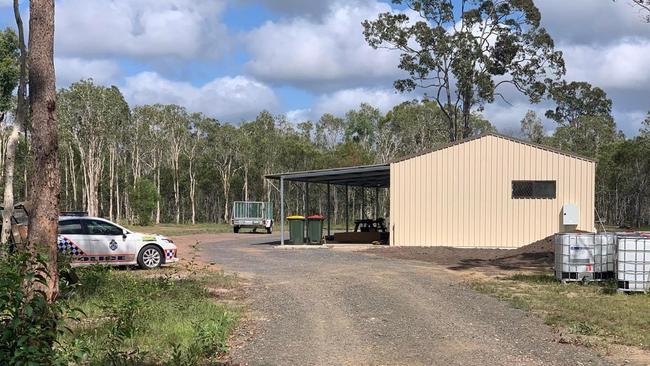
230,59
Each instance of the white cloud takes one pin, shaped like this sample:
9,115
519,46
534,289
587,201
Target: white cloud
342,101
69,70
139,28
230,99
591,22
322,54
624,65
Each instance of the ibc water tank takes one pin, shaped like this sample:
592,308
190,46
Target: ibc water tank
633,262
584,256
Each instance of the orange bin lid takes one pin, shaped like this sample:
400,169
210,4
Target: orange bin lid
315,217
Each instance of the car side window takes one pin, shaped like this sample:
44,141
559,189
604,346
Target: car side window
96,227
70,227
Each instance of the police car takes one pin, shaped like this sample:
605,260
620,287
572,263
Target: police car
92,240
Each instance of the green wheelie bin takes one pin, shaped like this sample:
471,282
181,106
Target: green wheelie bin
296,229
315,229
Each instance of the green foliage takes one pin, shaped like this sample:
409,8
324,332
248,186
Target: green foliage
29,324
575,100
9,67
144,197
134,320
463,51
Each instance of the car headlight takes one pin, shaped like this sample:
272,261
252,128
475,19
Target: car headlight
166,240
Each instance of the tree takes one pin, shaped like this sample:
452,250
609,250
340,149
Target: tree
91,118
465,50
8,49
532,127
45,186
9,68
583,113
143,200
577,99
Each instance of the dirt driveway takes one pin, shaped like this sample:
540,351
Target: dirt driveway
329,307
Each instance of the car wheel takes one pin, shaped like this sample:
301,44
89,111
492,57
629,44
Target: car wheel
235,229
150,257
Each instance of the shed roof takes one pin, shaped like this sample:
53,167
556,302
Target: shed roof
498,135
356,176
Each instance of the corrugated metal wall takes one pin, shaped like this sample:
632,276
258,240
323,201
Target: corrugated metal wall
462,195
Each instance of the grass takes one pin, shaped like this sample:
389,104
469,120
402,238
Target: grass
596,311
152,317
182,229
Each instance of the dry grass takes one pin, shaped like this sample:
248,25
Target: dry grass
586,313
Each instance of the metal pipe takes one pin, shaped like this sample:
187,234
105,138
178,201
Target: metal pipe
376,203
306,208
347,209
281,210
363,203
329,211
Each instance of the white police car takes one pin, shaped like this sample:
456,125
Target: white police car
92,240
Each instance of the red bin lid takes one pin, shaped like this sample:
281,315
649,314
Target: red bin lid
315,217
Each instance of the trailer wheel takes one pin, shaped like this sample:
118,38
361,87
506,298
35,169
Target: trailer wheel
269,230
235,229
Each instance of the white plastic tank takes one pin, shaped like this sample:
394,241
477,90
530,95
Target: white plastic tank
585,256
633,262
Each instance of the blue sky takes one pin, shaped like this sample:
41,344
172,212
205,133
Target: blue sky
232,58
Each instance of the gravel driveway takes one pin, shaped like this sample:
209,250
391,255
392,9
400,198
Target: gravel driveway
330,307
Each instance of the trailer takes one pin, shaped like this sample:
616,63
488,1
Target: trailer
254,215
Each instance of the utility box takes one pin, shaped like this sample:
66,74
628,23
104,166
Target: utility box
570,214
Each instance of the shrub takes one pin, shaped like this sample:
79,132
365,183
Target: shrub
29,324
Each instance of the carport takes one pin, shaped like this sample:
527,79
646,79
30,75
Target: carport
366,176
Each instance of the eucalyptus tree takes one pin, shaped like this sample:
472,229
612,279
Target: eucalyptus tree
330,131
223,147
532,127
464,51
91,115
45,187
583,113
13,72
175,124
193,148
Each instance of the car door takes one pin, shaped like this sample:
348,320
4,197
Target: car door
71,239
108,242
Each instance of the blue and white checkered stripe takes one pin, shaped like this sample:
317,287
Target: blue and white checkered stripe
66,245
170,253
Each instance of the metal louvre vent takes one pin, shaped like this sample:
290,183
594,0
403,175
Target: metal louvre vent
522,189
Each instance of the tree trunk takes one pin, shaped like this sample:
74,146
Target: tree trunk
45,186
192,192
17,130
111,185
158,191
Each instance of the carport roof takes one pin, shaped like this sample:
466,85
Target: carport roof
356,176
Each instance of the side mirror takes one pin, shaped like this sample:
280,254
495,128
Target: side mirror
124,232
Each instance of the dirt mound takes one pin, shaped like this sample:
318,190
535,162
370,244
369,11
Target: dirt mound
535,256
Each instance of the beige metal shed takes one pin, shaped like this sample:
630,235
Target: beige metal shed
489,191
